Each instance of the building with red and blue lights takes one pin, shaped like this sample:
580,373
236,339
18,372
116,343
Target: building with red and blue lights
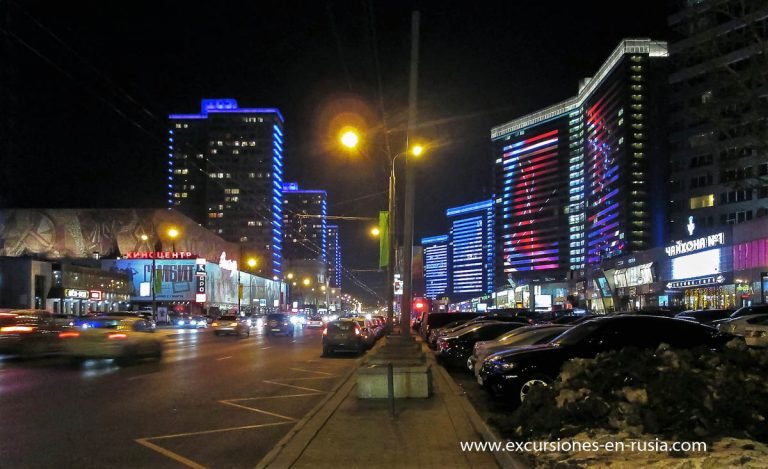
436,269
584,180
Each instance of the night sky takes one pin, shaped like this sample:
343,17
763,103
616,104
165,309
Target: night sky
87,87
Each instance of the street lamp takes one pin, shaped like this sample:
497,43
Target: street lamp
350,138
173,233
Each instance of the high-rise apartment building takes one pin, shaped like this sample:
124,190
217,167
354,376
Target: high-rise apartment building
305,224
435,266
334,257
225,171
471,249
583,180
718,104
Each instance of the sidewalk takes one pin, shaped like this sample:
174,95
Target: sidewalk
344,431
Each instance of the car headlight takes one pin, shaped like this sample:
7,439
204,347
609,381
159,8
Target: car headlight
181,322
507,365
293,319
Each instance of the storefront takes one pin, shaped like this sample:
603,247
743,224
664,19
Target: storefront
699,272
190,285
80,289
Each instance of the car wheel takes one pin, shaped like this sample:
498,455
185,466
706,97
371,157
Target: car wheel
530,383
247,332
217,333
326,352
76,361
158,355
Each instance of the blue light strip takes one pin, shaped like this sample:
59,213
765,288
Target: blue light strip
435,239
469,208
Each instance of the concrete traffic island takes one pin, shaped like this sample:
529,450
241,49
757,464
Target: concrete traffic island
411,374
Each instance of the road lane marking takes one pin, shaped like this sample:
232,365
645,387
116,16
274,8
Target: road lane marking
224,358
290,419
235,403
265,348
188,462
169,454
312,371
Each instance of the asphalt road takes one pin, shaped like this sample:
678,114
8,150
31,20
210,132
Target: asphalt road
211,402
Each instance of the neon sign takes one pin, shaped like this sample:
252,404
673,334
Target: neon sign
160,255
705,242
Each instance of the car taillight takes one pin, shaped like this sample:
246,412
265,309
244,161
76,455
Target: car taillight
215,324
117,335
325,331
17,329
357,331
233,324
68,335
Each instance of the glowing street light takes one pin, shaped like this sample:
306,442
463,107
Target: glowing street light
350,138
375,231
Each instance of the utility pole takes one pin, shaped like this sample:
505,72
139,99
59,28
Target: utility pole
405,310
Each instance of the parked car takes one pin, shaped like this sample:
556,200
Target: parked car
705,316
367,331
737,326
750,310
231,324
343,335
756,335
123,338
528,335
450,328
454,349
278,323
434,320
514,372
29,332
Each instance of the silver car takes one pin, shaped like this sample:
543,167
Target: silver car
226,325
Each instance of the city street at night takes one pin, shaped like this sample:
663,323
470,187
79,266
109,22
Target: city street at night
211,401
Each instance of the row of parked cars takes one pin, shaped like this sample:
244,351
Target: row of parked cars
508,355
352,334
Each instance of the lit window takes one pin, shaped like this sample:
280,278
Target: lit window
702,201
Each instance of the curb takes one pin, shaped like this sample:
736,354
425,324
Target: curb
290,448
504,459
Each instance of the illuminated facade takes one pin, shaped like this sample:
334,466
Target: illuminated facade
718,138
583,180
334,257
471,249
435,266
305,224
225,171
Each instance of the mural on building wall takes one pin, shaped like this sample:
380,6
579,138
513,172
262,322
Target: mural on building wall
80,233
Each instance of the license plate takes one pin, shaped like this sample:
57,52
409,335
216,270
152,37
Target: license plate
275,330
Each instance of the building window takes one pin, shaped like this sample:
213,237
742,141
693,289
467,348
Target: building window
702,201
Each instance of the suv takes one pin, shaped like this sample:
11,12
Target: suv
344,334
278,323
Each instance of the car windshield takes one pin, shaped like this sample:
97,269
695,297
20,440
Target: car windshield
228,318
577,333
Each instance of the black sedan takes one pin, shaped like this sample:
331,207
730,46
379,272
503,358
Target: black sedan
454,349
513,373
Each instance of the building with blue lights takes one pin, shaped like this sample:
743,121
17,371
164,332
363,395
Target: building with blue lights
471,249
334,257
225,171
435,266
305,224
584,180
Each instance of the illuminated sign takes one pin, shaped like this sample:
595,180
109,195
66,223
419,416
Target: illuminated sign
227,264
698,264
95,295
697,282
79,294
200,298
160,255
705,242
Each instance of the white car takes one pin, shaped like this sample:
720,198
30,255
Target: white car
756,335
737,326
126,339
